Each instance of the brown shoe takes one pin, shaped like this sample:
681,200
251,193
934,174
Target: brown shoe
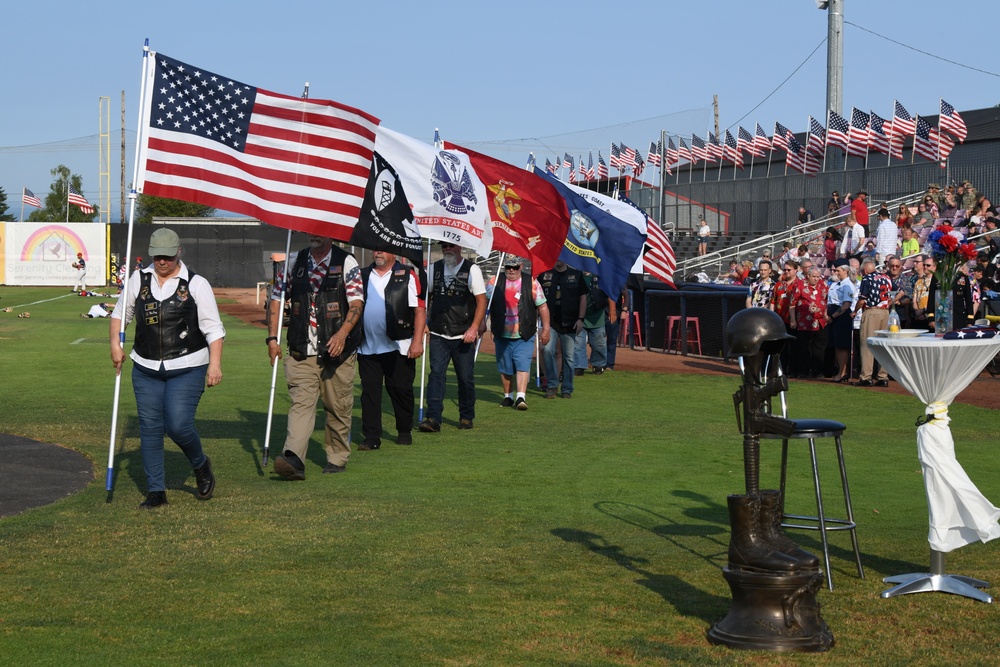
550,393
465,424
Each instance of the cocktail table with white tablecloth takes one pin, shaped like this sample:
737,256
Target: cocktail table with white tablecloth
936,370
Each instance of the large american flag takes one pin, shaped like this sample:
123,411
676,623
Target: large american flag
659,259
78,199
28,197
760,140
731,151
950,121
836,131
924,141
857,135
816,142
292,162
749,145
698,149
903,124
780,138
602,168
878,139
616,157
653,155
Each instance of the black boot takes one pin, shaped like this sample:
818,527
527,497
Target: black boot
204,479
154,499
747,548
770,529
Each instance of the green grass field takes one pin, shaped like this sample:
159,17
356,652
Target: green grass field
589,531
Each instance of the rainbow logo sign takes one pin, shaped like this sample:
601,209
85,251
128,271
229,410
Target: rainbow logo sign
53,243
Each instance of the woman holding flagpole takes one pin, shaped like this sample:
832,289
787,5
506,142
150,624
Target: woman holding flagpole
178,345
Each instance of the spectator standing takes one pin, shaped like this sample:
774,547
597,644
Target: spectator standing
704,231
923,268
456,307
808,318
839,299
831,245
854,238
873,302
760,292
566,297
887,238
326,297
393,313
859,207
781,300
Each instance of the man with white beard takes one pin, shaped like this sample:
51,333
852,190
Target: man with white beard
456,297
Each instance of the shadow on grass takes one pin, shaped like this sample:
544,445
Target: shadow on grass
685,598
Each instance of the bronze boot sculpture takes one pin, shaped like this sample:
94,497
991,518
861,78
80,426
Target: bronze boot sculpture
749,548
770,528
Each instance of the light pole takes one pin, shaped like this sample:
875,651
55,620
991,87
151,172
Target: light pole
834,53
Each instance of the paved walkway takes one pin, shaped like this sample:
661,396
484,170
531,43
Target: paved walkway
34,473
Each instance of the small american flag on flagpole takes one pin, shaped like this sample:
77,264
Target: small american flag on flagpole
877,138
602,168
28,197
698,149
902,123
616,157
78,199
817,137
951,122
732,151
857,135
659,259
780,138
836,131
924,143
653,155
760,140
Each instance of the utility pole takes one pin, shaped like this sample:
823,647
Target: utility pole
834,54
715,106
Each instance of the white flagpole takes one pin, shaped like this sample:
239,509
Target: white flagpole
23,193
274,366
140,137
423,357
489,303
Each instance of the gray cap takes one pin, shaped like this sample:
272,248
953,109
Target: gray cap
512,260
164,243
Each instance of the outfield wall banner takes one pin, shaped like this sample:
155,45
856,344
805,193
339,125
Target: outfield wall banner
43,253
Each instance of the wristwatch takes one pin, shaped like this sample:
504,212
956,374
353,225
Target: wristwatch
270,338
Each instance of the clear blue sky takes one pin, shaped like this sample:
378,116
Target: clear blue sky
503,78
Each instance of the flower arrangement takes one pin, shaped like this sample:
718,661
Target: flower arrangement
948,248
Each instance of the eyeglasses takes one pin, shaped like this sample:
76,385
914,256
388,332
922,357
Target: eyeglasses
164,258
928,266
895,266
512,268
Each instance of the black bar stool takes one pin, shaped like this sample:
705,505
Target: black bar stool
811,429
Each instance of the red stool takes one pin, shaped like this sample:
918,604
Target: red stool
636,329
693,333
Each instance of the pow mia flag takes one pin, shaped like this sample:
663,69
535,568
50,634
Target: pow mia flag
386,221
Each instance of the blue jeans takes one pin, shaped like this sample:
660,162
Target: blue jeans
567,342
611,333
166,402
598,348
463,356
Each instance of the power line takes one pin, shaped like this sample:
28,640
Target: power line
926,53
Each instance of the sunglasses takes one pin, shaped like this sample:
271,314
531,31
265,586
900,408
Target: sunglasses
448,245
164,258
512,268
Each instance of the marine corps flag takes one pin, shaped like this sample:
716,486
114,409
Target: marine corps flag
386,221
529,217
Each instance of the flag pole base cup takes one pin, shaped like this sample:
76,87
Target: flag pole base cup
772,612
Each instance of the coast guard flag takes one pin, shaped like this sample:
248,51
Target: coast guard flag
447,197
295,163
605,235
527,215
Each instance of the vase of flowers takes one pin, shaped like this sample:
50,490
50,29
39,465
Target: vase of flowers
948,248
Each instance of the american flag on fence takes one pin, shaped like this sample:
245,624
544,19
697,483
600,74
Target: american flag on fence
731,151
749,145
683,152
924,143
616,157
780,138
294,163
715,149
760,140
602,168
653,155
628,156
698,149
28,197
857,135
659,259
836,131
591,173
877,138
78,199
903,124
817,137
951,122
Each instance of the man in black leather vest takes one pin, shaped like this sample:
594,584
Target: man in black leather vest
517,305
566,297
456,307
393,313
324,330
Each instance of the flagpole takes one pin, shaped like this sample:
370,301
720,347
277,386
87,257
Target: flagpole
23,193
663,189
67,199
274,364
722,159
140,137
770,152
489,302
913,152
424,335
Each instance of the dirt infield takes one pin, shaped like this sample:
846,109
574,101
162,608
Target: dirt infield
983,392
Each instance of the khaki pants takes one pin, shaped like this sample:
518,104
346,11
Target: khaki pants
307,382
872,320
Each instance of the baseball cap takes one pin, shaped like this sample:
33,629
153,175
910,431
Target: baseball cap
164,243
512,261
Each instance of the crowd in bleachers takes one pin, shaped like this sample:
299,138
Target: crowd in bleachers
807,284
